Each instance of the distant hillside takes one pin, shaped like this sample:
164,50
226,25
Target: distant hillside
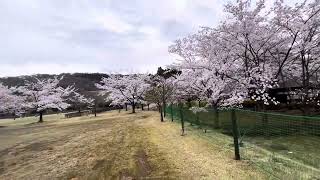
83,81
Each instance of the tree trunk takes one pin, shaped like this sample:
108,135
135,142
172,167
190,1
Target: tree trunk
142,108
133,107
216,118
161,113
305,84
40,117
148,107
126,107
197,115
260,106
95,108
163,101
182,120
265,120
189,103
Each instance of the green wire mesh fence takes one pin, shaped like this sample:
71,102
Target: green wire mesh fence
284,146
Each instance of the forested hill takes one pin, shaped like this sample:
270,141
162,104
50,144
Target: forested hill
82,81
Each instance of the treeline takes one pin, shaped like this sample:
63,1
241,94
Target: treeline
81,81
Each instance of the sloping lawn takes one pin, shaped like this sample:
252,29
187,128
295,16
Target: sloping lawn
115,145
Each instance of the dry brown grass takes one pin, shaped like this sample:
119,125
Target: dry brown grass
113,146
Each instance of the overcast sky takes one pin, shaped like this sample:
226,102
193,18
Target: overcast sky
111,36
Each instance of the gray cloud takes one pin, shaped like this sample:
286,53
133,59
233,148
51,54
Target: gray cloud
45,36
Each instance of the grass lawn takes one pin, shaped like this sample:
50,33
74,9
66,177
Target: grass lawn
112,146
287,149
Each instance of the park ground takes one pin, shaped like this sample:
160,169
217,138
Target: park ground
115,146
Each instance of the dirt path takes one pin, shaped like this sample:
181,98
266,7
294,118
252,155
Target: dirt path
116,146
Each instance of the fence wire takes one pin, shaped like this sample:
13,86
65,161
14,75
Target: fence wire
284,146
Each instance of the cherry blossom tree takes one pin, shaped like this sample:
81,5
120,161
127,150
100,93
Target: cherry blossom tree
165,80
125,89
206,79
44,94
154,95
161,89
300,28
244,56
10,102
5,94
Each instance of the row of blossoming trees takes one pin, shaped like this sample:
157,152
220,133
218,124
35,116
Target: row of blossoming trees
39,96
140,89
253,50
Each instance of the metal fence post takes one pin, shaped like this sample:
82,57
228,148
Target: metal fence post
216,118
198,120
265,124
171,109
235,135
